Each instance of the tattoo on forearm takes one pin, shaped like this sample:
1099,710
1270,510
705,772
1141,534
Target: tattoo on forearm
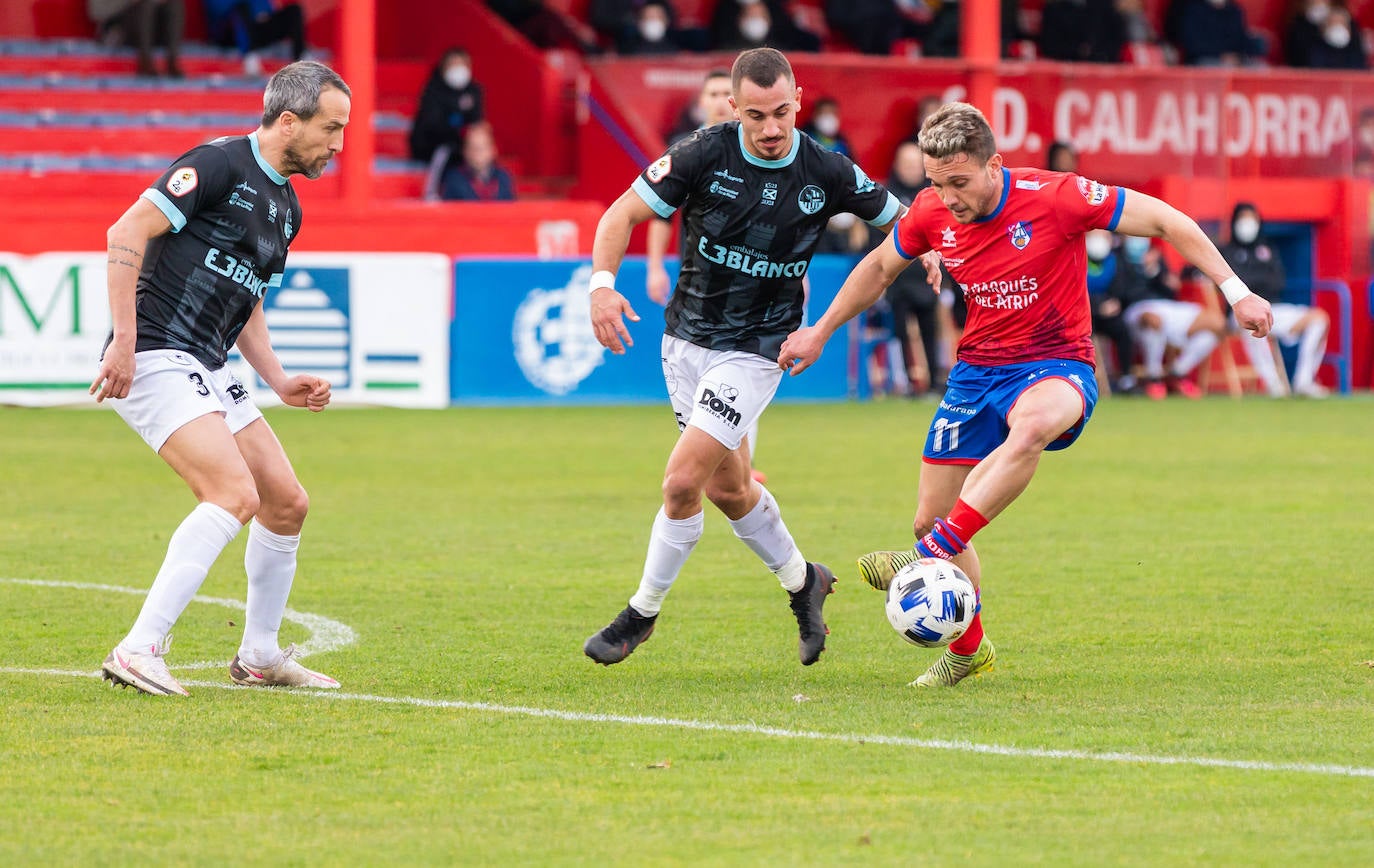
131,257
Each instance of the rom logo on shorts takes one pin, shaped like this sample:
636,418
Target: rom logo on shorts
718,403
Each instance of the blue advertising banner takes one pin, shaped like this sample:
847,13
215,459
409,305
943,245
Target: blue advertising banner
521,334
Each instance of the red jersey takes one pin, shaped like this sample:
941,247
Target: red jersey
1023,267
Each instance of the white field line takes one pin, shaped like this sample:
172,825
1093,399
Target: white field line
329,635
325,633
771,731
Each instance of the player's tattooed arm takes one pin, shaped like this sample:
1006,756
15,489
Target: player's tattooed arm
124,255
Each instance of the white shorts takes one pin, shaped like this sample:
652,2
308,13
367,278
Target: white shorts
172,388
1286,317
1178,317
722,392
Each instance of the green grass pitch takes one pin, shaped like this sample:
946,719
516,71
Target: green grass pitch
1181,604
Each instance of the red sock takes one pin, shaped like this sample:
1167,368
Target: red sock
965,520
972,638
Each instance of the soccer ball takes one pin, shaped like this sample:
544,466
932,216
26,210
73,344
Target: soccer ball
931,602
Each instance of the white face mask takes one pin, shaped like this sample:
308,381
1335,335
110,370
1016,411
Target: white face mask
754,29
1246,230
1099,245
652,30
828,125
1337,36
1317,12
457,77
1135,247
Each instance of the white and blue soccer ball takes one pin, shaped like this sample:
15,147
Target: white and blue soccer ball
931,602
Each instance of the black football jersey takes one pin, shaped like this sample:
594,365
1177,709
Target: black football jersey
233,217
750,228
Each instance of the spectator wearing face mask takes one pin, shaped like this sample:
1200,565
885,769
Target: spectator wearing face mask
653,31
1257,263
741,24
1114,282
824,127
450,102
1321,34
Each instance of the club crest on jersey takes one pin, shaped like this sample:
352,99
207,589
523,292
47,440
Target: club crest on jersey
183,181
1094,192
1020,234
660,169
811,199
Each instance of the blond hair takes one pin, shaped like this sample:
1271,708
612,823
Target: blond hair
957,128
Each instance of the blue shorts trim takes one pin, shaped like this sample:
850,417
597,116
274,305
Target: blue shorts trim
972,418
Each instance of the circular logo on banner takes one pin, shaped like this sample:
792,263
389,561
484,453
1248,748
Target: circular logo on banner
811,199
555,346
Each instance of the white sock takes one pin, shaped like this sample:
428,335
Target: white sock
191,551
270,560
1153,344
670,542
762,529
1311,348
1261,357
1199,347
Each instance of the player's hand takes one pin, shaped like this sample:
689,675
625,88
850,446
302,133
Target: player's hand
931,260
304,390
656,283
801,350
1254,315
116,372
607,308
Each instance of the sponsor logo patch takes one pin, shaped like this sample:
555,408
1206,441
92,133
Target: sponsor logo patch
1095,193
183,181
1028,185
660,169
947,237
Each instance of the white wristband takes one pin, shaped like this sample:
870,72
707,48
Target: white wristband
1234,289
601,279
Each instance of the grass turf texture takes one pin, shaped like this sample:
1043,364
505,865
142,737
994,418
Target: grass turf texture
1188,581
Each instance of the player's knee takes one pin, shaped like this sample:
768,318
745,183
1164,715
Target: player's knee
240,501
680,490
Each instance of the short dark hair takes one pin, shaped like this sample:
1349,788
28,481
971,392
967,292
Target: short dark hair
296,88
762,66
1055,150
957,128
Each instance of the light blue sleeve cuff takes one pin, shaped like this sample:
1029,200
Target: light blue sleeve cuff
889,211
158,198
661,208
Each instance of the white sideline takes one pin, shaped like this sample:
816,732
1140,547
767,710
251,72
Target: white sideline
773,732
330,635
325,634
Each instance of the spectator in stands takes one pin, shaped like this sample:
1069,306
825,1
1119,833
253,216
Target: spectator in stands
909,296
450,102
142,24
1061,157
1258,264
824,127
546,27
653,31
1214,33
925,107
252,25
1336,44
942,39
735,24
1159,320
620,24
1363,164
870,25
478,177
1114,281
1090,31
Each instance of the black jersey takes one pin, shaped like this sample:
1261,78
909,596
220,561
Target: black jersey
751,226
233,217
